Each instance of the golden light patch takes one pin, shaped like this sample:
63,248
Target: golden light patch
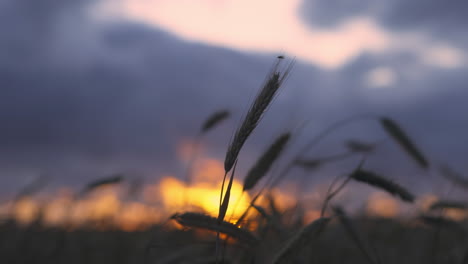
26,210
382,205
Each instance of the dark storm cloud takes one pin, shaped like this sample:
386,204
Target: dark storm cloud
333,12
435,14
443,18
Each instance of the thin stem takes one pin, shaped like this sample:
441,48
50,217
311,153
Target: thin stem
329,190
190,165
334,193
236,205
220,204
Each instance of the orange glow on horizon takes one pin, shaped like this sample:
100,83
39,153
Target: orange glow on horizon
382,205
109,207
26,210
205,192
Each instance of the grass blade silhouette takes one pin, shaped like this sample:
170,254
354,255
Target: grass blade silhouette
382,183
445,204
215,119
225,204
395,131
263,164
453,176
197,220
101,182
359,146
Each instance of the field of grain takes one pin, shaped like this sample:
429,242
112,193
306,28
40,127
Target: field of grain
392,241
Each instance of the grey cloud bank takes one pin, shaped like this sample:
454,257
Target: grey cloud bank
81,98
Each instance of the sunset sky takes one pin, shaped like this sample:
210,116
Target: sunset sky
89,88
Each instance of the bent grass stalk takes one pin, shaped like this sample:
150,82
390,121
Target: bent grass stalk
203,221
330,195
215,119
111,180
397,133
453,176
264,163
382,183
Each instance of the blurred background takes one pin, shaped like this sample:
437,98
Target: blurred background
93,88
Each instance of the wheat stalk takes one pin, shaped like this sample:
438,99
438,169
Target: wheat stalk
309,164
313,164
115,179
397,133
251,120
359,146
225,203
448,205
439,221
382,183
264,163
255,113
215,119
198,220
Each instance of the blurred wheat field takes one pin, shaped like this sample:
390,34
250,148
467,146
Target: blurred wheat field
394,241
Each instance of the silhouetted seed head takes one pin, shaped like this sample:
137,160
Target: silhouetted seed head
215,119
197,220
32,187
403,140
102,182
300,240
311,164
262,211
382,183
454,176
256,111
135,187
438,221
360,147
264,163
448,205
